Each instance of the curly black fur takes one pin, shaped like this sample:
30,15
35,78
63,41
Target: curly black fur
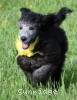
52,43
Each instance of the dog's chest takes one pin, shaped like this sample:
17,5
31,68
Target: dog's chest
47,46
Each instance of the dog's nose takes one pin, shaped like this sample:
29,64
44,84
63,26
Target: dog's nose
23,38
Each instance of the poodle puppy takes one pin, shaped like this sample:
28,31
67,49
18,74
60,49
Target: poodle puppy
51,47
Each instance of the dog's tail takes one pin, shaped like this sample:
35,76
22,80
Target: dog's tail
61,15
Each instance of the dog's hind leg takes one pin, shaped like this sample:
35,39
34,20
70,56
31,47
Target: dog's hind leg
56,79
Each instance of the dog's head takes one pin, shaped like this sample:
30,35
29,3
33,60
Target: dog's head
29,26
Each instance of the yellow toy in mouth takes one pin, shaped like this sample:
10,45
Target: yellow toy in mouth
29,51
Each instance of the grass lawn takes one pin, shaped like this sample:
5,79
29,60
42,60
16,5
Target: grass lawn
13,84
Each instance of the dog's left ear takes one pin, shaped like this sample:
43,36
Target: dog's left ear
24,10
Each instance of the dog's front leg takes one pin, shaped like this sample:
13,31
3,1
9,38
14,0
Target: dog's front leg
42,74
24,63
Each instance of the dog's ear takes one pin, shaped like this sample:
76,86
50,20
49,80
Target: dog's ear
24,10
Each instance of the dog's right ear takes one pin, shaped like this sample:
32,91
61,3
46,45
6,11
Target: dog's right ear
24,10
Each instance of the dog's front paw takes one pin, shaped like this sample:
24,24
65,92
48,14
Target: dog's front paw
21,61
24,63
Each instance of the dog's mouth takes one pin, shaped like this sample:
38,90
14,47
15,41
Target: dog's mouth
25,45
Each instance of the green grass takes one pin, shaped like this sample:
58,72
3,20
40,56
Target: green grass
12,79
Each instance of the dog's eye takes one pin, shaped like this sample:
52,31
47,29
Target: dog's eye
31,28
20,27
